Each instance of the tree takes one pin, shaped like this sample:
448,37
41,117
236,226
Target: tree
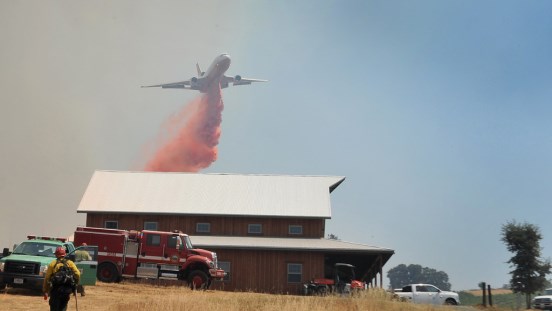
403,275
529,270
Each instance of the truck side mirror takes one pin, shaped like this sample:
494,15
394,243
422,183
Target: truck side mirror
5,252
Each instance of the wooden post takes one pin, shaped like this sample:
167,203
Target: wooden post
484,287
381,271
490,295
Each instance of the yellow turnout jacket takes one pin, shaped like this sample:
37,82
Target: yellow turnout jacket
53,267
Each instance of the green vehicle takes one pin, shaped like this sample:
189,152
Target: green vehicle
26,266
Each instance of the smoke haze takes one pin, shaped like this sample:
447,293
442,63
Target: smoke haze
188,140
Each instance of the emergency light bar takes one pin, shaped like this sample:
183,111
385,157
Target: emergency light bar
34,237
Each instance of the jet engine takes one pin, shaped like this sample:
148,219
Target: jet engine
237,78
194,83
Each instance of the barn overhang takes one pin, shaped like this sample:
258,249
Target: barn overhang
368,260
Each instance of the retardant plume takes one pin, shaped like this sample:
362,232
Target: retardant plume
188,141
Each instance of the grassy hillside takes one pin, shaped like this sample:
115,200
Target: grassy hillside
501,298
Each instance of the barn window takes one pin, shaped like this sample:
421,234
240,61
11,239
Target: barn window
111,224
295,229
294,272
225,265
254,228
150,225
203,227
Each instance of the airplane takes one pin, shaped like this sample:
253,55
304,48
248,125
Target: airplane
211,78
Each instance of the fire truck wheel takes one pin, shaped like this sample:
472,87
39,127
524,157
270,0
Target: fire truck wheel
107,273
197,279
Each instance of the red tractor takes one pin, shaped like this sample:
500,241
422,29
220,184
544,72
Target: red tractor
342,281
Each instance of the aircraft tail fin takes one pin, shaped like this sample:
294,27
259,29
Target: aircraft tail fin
199,73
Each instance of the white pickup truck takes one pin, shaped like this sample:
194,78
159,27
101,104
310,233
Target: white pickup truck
426,293
544,301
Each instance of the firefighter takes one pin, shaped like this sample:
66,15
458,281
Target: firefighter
60,291
82,255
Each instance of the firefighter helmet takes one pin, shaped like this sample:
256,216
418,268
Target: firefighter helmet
60,251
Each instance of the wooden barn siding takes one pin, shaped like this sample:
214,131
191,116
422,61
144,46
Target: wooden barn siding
266,271
225,226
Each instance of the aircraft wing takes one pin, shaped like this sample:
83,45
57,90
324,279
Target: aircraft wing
238,80
243,81
174,85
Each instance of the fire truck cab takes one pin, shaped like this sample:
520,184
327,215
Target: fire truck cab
150,254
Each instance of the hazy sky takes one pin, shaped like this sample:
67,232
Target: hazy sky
437,112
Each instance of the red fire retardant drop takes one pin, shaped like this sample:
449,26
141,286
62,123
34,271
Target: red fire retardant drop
192,136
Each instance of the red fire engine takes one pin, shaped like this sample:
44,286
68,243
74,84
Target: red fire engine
150,254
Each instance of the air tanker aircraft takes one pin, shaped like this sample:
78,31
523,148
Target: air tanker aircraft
214,75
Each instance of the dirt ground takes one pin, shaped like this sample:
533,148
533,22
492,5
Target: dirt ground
103,296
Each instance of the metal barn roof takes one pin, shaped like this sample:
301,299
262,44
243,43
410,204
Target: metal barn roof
209,194
301,244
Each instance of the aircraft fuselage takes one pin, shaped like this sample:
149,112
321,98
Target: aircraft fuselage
214,73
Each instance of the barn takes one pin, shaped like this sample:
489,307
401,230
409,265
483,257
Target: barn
268,230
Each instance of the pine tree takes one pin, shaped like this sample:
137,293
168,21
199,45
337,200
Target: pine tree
529,270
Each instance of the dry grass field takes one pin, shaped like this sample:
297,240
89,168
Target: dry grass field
478,292
139,296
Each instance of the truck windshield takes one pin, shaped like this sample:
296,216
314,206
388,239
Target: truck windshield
36,249
188,242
